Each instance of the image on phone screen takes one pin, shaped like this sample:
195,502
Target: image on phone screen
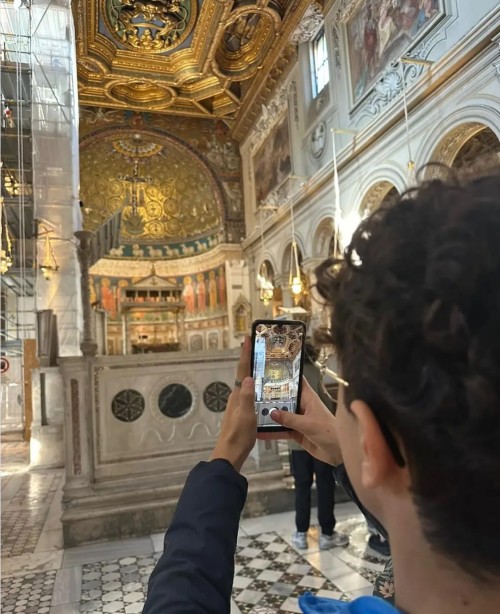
277,368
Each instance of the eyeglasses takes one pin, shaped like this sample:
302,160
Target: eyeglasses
386,432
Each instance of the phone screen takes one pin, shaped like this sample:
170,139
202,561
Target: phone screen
278,349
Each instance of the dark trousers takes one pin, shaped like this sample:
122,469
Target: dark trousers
304,467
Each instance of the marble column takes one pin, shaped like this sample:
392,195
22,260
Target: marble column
88,345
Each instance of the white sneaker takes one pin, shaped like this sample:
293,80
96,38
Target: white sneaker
331,541
299,540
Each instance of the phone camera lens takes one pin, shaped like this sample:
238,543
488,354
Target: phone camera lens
264,411
284,408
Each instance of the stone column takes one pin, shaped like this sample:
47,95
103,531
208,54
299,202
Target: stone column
124,333
88,345
182,324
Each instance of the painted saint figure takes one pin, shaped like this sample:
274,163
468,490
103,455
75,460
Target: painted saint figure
201,292
221,282
212,291
108,298
188,294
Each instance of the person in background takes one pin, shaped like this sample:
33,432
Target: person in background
377,541
305,469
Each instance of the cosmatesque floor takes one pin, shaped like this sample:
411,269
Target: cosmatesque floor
40,577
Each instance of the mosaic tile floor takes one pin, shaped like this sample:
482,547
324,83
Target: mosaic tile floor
116,586
28,594
40,578
270,576
24,513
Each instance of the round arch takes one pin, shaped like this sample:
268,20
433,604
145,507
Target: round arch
322,236
443,144
379,193
481,146
284,258
375,186
267,269
266,256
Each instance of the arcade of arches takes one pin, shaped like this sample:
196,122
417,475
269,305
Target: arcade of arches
161,189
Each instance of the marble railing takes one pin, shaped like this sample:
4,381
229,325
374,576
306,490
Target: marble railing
134,427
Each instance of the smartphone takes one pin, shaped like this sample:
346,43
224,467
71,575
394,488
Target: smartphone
278,348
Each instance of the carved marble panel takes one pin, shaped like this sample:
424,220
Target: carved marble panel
216,395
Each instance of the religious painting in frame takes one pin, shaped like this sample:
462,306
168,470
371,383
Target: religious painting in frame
380,31
272,161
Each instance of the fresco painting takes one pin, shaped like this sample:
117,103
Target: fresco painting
204,294
379,31
276,147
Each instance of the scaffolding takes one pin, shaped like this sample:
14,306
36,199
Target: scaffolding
39,170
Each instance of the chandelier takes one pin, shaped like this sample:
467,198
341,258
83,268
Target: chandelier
295,278
49,264
5,242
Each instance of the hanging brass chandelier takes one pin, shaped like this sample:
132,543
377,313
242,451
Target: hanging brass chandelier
295,277
49,264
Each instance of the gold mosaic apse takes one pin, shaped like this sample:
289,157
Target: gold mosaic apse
165,190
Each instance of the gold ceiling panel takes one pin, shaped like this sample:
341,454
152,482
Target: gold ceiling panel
186,57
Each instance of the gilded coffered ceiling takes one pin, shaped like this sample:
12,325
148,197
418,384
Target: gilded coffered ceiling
208,58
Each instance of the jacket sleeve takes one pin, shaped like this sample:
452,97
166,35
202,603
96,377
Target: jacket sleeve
195,572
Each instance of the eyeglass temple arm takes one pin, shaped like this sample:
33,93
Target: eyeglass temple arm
326,371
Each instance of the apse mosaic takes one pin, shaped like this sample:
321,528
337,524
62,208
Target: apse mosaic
164,189
150,166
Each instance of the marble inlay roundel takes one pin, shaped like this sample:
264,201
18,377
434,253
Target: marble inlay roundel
175,400
216,395
128,405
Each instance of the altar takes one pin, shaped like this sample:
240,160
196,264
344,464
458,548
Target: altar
152,311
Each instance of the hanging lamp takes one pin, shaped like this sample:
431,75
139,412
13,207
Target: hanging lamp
49,264
295,278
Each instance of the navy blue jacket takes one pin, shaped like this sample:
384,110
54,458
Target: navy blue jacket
195,573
